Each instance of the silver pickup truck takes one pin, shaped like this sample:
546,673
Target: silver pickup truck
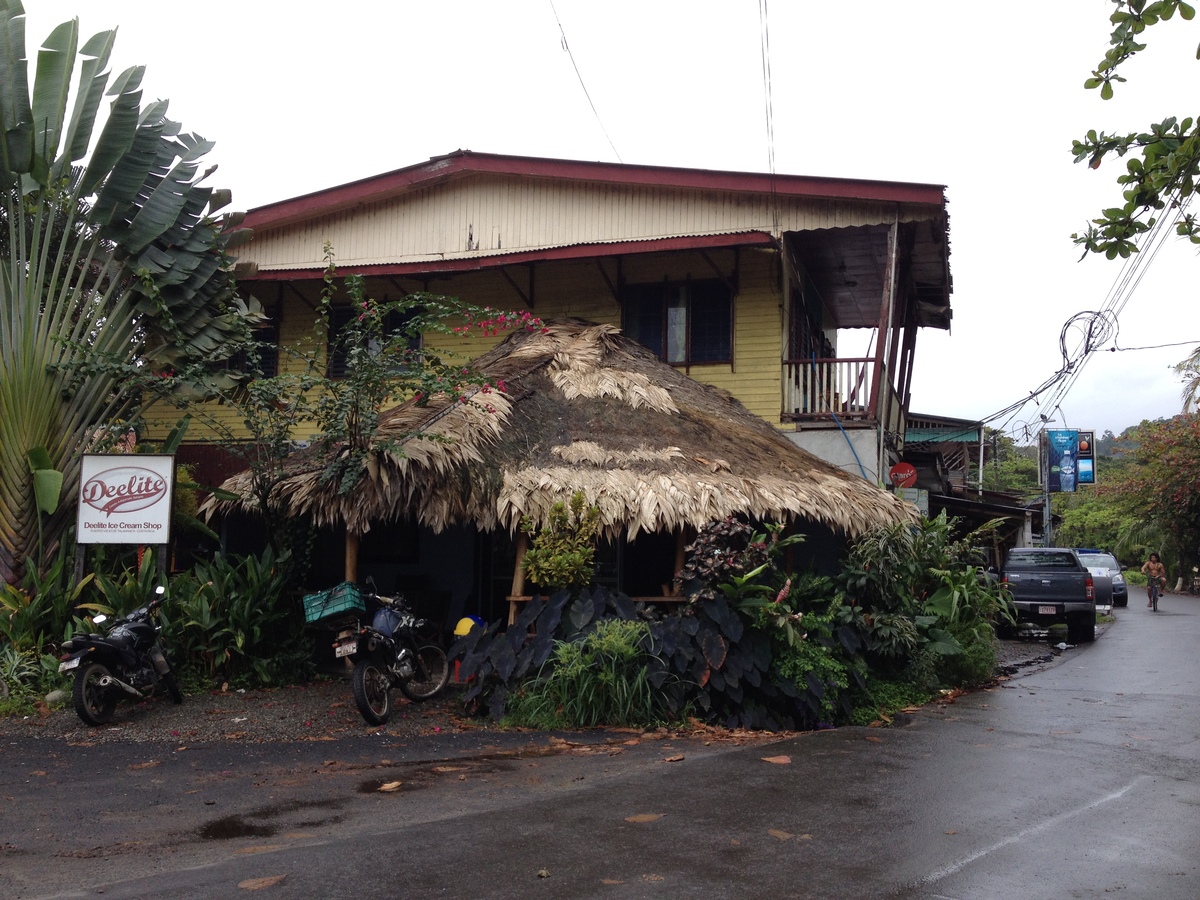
1048,585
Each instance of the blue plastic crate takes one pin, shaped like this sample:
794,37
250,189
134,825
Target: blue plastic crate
341,598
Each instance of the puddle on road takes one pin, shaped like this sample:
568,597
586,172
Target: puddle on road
234,827
1025,664
252,824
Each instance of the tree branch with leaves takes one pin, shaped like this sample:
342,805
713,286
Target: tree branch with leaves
1160,174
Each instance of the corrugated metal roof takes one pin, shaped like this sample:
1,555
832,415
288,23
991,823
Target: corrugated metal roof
463,162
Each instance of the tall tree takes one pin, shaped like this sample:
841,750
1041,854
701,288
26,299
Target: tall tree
1160,175
110,250
1010,469
1159,489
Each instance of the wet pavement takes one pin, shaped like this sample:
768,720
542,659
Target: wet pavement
1079,779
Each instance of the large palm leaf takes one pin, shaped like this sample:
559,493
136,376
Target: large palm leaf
110,254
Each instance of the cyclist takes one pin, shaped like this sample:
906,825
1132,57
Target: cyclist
1156,578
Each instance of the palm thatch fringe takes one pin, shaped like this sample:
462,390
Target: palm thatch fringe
583,409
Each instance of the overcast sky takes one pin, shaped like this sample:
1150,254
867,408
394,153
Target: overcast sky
982,98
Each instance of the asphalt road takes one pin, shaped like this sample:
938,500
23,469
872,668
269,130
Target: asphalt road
1081,779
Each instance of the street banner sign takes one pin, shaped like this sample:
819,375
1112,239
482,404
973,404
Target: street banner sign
1062,453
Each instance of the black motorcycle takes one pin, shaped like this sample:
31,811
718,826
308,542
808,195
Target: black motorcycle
126,662
391,652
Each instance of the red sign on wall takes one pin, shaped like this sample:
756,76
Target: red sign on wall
902,475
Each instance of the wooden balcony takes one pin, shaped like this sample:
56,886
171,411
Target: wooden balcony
827,388
845,390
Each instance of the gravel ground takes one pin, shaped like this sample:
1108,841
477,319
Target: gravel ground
319,711
323,710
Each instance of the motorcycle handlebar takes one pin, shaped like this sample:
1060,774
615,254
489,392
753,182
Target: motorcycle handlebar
396,602
160,594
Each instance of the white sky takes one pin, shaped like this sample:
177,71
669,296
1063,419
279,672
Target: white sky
983,98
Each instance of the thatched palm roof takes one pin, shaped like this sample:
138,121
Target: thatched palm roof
583,408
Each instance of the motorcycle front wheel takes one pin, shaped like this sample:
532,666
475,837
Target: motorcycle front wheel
372,692
93,703
431,672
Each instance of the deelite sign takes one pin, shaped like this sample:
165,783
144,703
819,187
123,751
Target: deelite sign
125,499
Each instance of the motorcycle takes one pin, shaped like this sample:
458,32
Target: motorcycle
391,652
126,662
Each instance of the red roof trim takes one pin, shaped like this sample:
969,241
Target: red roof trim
463,162
477,263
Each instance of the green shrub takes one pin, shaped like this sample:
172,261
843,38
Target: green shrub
233,619
602,679
974,666
562,555
44,609
28,675
916,593
881,698
823,670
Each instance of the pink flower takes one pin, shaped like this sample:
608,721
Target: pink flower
784,591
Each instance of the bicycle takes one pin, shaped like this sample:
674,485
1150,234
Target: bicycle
1154,592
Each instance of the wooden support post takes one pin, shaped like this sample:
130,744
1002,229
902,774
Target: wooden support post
518,580
351,573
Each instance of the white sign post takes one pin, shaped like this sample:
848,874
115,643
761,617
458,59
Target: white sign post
125,499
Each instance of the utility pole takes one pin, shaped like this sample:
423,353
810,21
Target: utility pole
1044,478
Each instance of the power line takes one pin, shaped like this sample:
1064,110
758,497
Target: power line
1154,346
765,49
1096,327
764,41
575,66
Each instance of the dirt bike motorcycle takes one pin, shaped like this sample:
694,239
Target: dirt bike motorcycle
389,653
126,663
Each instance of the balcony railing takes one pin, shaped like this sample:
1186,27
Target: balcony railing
827,388
815,389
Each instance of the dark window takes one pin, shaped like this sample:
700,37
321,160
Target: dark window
1041,560
340,317
681,322
265,355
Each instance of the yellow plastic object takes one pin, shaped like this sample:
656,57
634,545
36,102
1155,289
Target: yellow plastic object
465,625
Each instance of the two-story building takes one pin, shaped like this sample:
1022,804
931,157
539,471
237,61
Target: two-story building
801,297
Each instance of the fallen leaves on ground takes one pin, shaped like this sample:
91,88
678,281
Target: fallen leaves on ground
644,817
715,733
257,884
783,760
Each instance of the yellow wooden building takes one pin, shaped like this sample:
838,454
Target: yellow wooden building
745,281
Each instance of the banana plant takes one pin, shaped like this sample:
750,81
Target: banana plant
113,267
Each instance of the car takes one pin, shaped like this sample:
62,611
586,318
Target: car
1050,586
1101,563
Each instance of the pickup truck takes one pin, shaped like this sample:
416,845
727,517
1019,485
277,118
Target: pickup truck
1049,585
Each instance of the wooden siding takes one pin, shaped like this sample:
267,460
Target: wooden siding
578,289
485,216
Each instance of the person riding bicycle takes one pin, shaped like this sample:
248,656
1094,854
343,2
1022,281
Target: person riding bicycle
1156,575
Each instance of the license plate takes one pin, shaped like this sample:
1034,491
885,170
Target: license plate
346,648
68,665
1047,610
